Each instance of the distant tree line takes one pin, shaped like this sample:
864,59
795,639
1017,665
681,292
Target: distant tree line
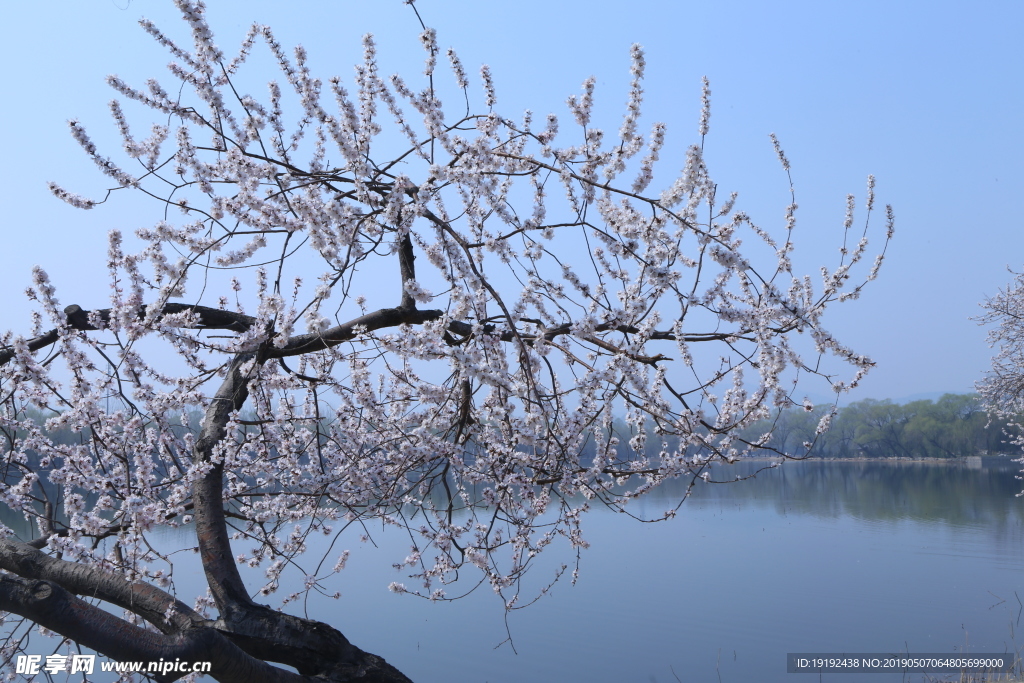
955,426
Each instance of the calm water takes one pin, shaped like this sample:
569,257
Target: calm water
813,557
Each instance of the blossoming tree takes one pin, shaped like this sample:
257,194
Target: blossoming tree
470,326
1002,390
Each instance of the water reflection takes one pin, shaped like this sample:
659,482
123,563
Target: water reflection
980,493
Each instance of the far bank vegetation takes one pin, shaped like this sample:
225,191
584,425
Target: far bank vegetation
955,426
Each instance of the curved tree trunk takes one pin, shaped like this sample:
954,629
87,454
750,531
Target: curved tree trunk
239,644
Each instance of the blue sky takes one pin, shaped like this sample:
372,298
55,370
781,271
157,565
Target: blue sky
925,96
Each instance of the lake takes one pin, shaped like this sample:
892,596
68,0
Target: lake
852,557
812,557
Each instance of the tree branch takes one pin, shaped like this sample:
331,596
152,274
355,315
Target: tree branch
78,319
209,318
310,646
385,317
406,314
406,257
51,606
152,604
211,528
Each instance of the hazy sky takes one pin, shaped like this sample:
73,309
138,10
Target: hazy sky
927,96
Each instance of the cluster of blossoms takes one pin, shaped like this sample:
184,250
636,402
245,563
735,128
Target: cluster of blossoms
478,374
1002,389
